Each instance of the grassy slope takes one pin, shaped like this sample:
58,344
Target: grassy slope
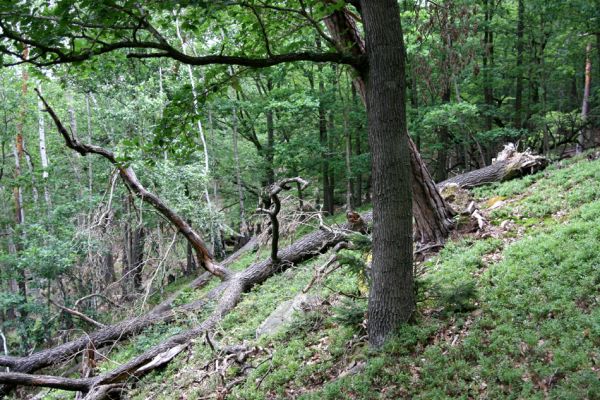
511,316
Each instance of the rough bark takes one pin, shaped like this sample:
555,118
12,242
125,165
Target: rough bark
391,297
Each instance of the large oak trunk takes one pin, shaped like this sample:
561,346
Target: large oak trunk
391,297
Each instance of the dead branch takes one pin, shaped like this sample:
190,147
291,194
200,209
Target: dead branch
203,255
79,315
508,165
321,273
273,211
230,294
105,298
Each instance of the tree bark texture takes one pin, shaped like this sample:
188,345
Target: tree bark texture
391,297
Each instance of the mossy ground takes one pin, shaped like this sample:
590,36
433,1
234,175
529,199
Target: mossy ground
522,324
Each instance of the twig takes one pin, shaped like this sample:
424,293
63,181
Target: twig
79,315
349,295
149,285
89,296
323,269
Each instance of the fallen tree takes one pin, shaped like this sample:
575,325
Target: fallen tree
230,290
508,165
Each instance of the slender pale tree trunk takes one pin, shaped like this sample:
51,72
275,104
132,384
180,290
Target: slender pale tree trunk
44,154
391,298
90,171
585,107
184,46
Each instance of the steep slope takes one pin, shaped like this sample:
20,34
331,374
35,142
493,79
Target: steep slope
510,312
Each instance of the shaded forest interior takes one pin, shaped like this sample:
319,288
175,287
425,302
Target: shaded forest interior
152,151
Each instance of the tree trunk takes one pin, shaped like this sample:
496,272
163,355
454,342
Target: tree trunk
391,298
358,183
441,171
270,150
520,44
488,64
323,141
137,257
44,155
433,216
349,177
330,152
598,50
190,264
18,151
585,107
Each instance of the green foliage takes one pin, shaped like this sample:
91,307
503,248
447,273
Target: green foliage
351,312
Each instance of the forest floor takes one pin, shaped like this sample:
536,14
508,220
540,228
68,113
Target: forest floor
508,312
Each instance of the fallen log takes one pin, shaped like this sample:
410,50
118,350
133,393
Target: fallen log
508,165
230,292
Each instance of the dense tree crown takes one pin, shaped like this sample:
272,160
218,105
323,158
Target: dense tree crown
186,116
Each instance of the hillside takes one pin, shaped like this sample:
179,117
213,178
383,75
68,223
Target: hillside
507,312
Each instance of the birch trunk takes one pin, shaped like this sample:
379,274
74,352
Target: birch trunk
44,154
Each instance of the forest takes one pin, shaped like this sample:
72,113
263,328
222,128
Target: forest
300,199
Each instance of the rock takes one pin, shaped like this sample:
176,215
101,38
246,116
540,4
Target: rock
285,312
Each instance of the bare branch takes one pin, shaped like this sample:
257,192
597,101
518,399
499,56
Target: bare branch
79,315
129,177
273,211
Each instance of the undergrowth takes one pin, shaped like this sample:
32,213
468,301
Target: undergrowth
526,326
